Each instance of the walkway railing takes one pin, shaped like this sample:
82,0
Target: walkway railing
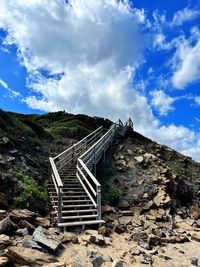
86,154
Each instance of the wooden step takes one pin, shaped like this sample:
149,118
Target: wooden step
71,198
78,211
65,224
73,201
79,217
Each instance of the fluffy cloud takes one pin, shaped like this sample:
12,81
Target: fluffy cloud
184,15
82,56
162,102
186,60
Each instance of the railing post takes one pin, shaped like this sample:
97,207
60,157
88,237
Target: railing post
104,150
59,204
99,201
94,162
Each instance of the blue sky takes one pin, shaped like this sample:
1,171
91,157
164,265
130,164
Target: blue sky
107,58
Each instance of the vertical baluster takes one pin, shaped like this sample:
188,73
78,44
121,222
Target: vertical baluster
99,201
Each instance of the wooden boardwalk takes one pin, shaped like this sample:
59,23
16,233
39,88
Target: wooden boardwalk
74,190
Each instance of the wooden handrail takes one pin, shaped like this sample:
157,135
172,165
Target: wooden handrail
55,171
81,141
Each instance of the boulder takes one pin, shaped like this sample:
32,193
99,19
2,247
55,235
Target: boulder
196,214
18,215
162,199
44,222
5,225
42,239
69,237
28,256
125,220
4,240
123,204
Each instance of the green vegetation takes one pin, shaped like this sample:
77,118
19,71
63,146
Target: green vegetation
113,195
29,189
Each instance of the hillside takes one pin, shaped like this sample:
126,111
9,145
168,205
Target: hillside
150,198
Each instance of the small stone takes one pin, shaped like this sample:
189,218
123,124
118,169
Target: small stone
125,220
134,251
108,209
22,232
69,237
25,224
44,222
196,214
5,224
146,259
117,263
195,237
194,261
4,240
3,214
31,244
139,159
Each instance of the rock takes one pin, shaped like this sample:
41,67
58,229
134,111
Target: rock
162,199
194,261
123,204
121,162
92,236
5,225
154,240
130,152
9,159
146,259
22,232
102,230
98,259
139,159
44,240
25,224
195,237
125,220
117,263
44,222
31,244
69,237
4,240
134,251
13,151
119,229
30,257
108,209
18,215
4,261
196,214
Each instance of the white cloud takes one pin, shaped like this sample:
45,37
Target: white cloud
186,60
162,102
91,51
12,93
184,15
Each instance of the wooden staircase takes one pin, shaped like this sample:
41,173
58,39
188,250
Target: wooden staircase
74,190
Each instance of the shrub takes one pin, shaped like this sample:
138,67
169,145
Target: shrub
113,195
29,188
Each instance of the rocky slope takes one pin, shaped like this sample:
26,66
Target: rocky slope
150,202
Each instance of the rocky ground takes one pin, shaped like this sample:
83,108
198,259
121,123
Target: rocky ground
150,206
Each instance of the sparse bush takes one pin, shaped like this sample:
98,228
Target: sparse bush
113,195
29,188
